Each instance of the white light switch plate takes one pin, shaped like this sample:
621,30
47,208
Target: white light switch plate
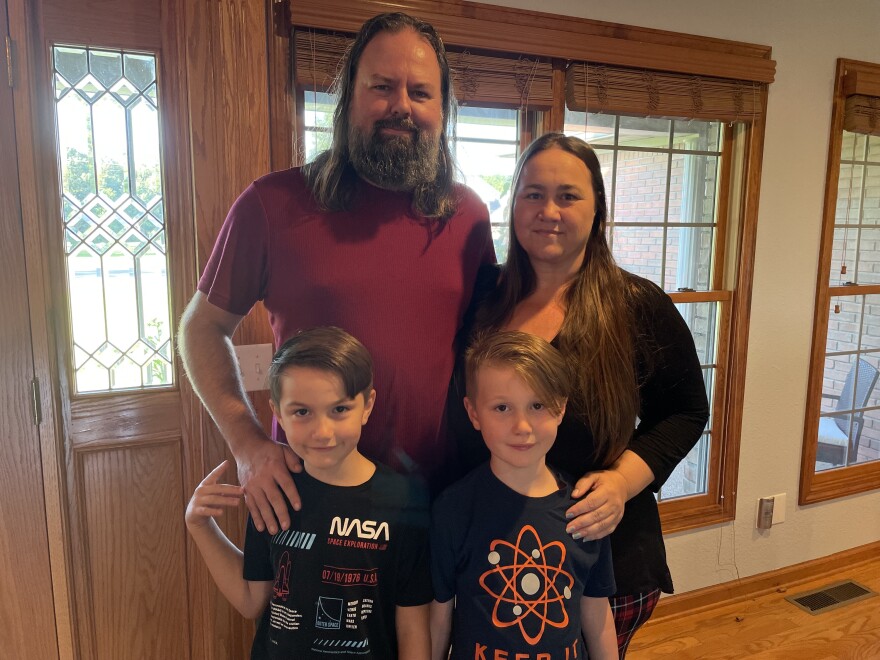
254,361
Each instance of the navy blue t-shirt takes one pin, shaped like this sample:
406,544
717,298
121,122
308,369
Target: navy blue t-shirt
351,555
516,575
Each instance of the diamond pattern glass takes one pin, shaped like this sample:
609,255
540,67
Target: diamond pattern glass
124,91
61,86
134,242
159,241
81,226
132,210
113,218
106,66
89,87
140,69
97,209
115,226
145,142
148,226
99,241
71,63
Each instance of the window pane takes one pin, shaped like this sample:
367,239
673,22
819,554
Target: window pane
854,146
868,257
486,147
593,128
663,203
849,427
113,214
644,132
702,319
843,255
837,369
639,250
640,190
689,476
874,149
871,201
870,326
695,135
850,432
868,446
487,124
318,118
844,322
692,188
688,258
849,194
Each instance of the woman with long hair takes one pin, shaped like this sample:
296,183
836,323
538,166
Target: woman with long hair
638,403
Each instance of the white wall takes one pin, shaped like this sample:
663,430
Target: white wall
807,36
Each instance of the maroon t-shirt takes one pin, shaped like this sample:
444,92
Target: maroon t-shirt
376,271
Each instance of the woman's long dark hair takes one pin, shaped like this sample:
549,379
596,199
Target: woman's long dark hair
331,176
597,335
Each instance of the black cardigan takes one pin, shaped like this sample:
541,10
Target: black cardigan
673,414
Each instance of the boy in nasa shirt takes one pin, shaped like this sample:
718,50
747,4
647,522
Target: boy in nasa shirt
350,577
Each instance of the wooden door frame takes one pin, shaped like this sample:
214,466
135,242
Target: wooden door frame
31,142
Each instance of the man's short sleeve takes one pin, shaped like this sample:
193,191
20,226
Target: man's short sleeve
257,557
236,274
413,578
601,580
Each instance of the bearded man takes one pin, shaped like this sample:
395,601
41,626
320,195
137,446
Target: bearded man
373,236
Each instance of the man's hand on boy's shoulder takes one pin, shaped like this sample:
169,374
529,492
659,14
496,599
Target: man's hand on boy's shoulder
211,498
264,473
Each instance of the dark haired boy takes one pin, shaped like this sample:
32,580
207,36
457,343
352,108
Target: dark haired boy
350,577
508,581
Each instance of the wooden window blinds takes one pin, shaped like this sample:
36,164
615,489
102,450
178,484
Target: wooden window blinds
642,92
524,82
861,88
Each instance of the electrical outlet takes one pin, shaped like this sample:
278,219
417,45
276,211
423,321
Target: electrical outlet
254,361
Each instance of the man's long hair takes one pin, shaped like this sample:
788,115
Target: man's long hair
331,176
598,333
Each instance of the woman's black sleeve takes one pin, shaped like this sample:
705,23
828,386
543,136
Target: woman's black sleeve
674,408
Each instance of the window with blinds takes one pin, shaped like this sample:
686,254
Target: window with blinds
842,429
677,121
660,137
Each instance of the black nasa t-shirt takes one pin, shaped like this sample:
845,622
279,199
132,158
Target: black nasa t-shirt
517,577
349,558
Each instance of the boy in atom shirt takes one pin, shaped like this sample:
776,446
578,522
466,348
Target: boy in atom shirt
350,578
508,581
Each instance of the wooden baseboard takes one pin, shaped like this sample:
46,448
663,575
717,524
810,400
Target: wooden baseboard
762,583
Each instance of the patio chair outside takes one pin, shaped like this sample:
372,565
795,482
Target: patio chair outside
836,445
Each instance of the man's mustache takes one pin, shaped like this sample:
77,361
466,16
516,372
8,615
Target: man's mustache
397,124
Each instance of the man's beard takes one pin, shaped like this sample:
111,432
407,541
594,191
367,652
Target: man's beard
394,162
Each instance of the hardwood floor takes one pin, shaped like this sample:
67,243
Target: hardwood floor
769,627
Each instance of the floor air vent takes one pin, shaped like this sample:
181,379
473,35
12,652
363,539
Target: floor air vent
830,597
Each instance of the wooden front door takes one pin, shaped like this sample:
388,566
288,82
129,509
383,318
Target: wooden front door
27,613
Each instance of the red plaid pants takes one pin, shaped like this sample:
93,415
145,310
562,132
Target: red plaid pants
629,613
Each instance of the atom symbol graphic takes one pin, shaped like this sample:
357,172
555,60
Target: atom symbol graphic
528,584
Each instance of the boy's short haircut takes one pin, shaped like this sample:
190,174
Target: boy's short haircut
532,358
328,349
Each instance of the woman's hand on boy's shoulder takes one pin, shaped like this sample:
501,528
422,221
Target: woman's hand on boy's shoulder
211,498
597,514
